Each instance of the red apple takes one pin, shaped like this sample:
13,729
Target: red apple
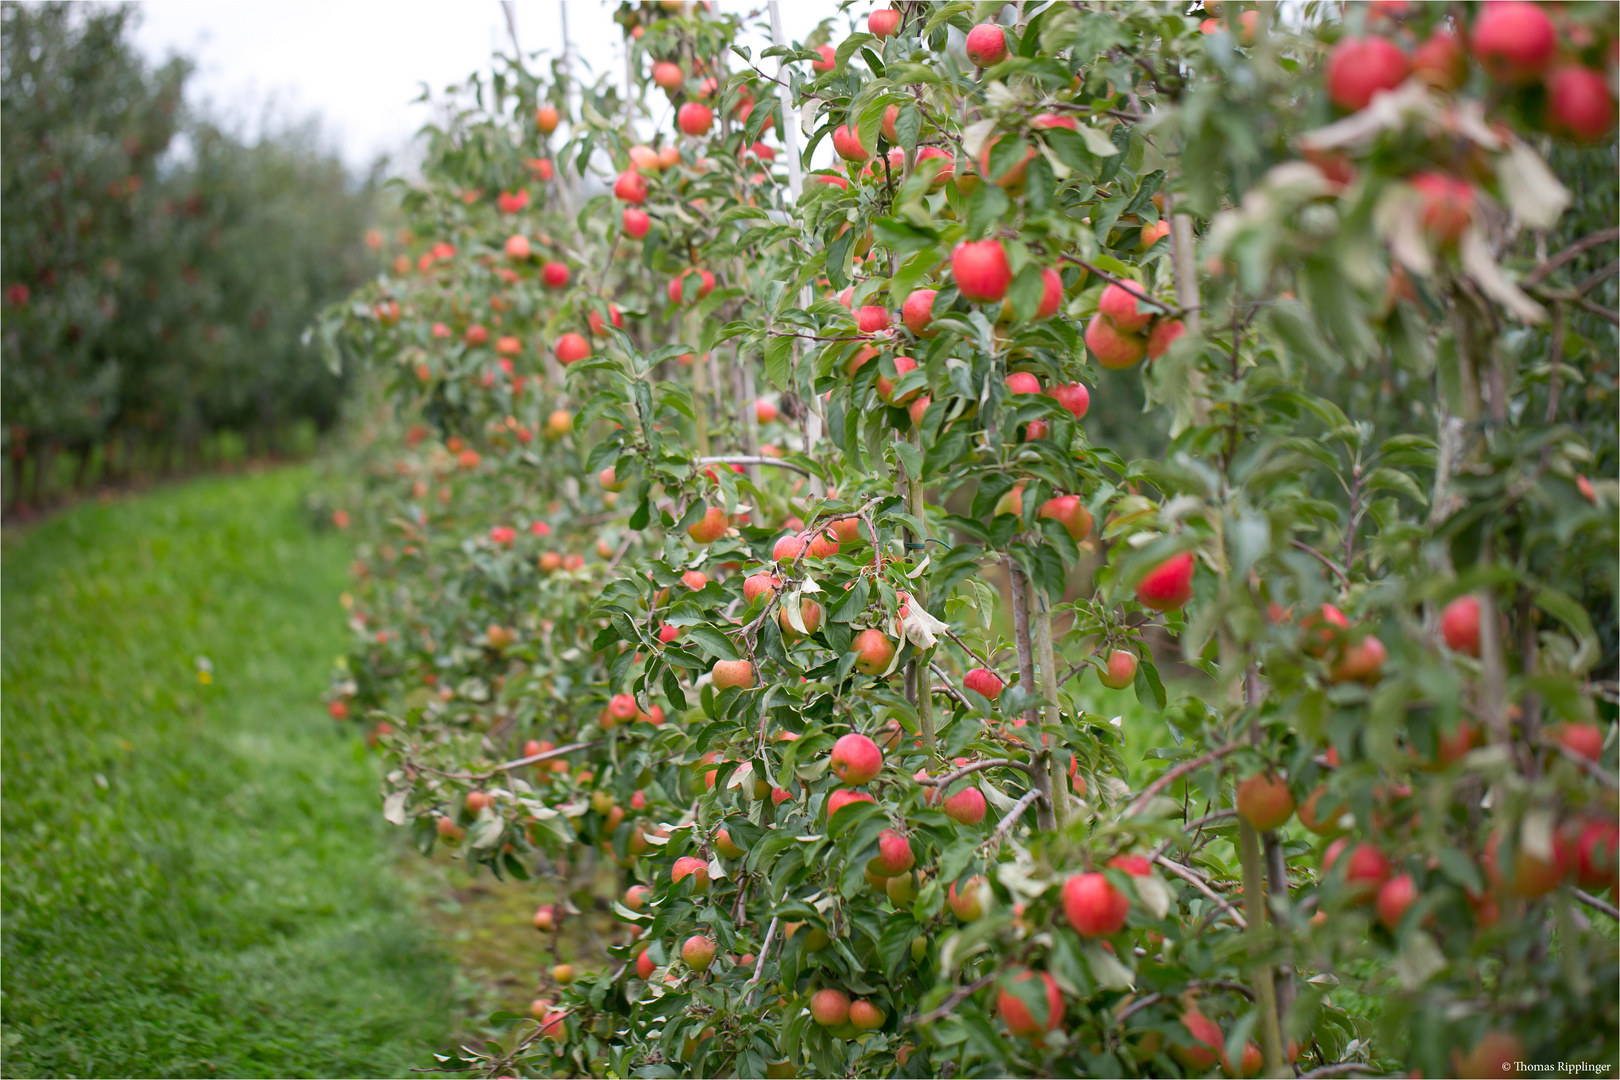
517,247
828,59
981,270
846,142
1165,333
882,23
918,311
1359,68
885,388
668,75
829,1007
1514,40
1578,103
1441,61
843,797
1597,854
1113,348
1022,382
1068,511
1532,875
1459,625
1167,586
571,347
729,673
694,119
1093,906
966,807
635,897
1448,205
1395,898
636,223
1123,309
678,285
864,1014
554,275
1360,661
1013,1011
810,614
1121,670
894,855
1495,1054
1134,865
1051,293
788,548
1208,1042
1072,396
710,527
598,327
872,319
1365,869
968,904
984,682
761,584
1264,801
644,965
698,952
856,759
875,651
986,45
1585,740
764,411
690,866
546,119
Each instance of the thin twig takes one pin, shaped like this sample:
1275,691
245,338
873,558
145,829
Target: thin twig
1598,905
1192,879
1591,281
1128,286
1194,985
955,998
751,459
1574,251
946,687
978,766
518,764
1012,816
1344,578
1590,766
1195,825
1176,773
969,650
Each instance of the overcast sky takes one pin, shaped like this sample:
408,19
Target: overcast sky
359,64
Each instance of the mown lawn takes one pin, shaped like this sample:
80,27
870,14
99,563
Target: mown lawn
197,881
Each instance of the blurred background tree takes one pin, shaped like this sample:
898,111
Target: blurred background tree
159,268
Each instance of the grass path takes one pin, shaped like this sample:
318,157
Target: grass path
196,878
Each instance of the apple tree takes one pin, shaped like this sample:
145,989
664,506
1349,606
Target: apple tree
1114,576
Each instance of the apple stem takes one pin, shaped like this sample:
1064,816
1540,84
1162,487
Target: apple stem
1265,991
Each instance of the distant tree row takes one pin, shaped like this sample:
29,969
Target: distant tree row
159,270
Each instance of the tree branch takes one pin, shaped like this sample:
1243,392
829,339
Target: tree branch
978,766
1574,251
751,459
1177,773
1210,894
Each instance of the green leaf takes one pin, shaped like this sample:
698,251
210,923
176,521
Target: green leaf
712,642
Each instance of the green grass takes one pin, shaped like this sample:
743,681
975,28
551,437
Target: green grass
197,881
